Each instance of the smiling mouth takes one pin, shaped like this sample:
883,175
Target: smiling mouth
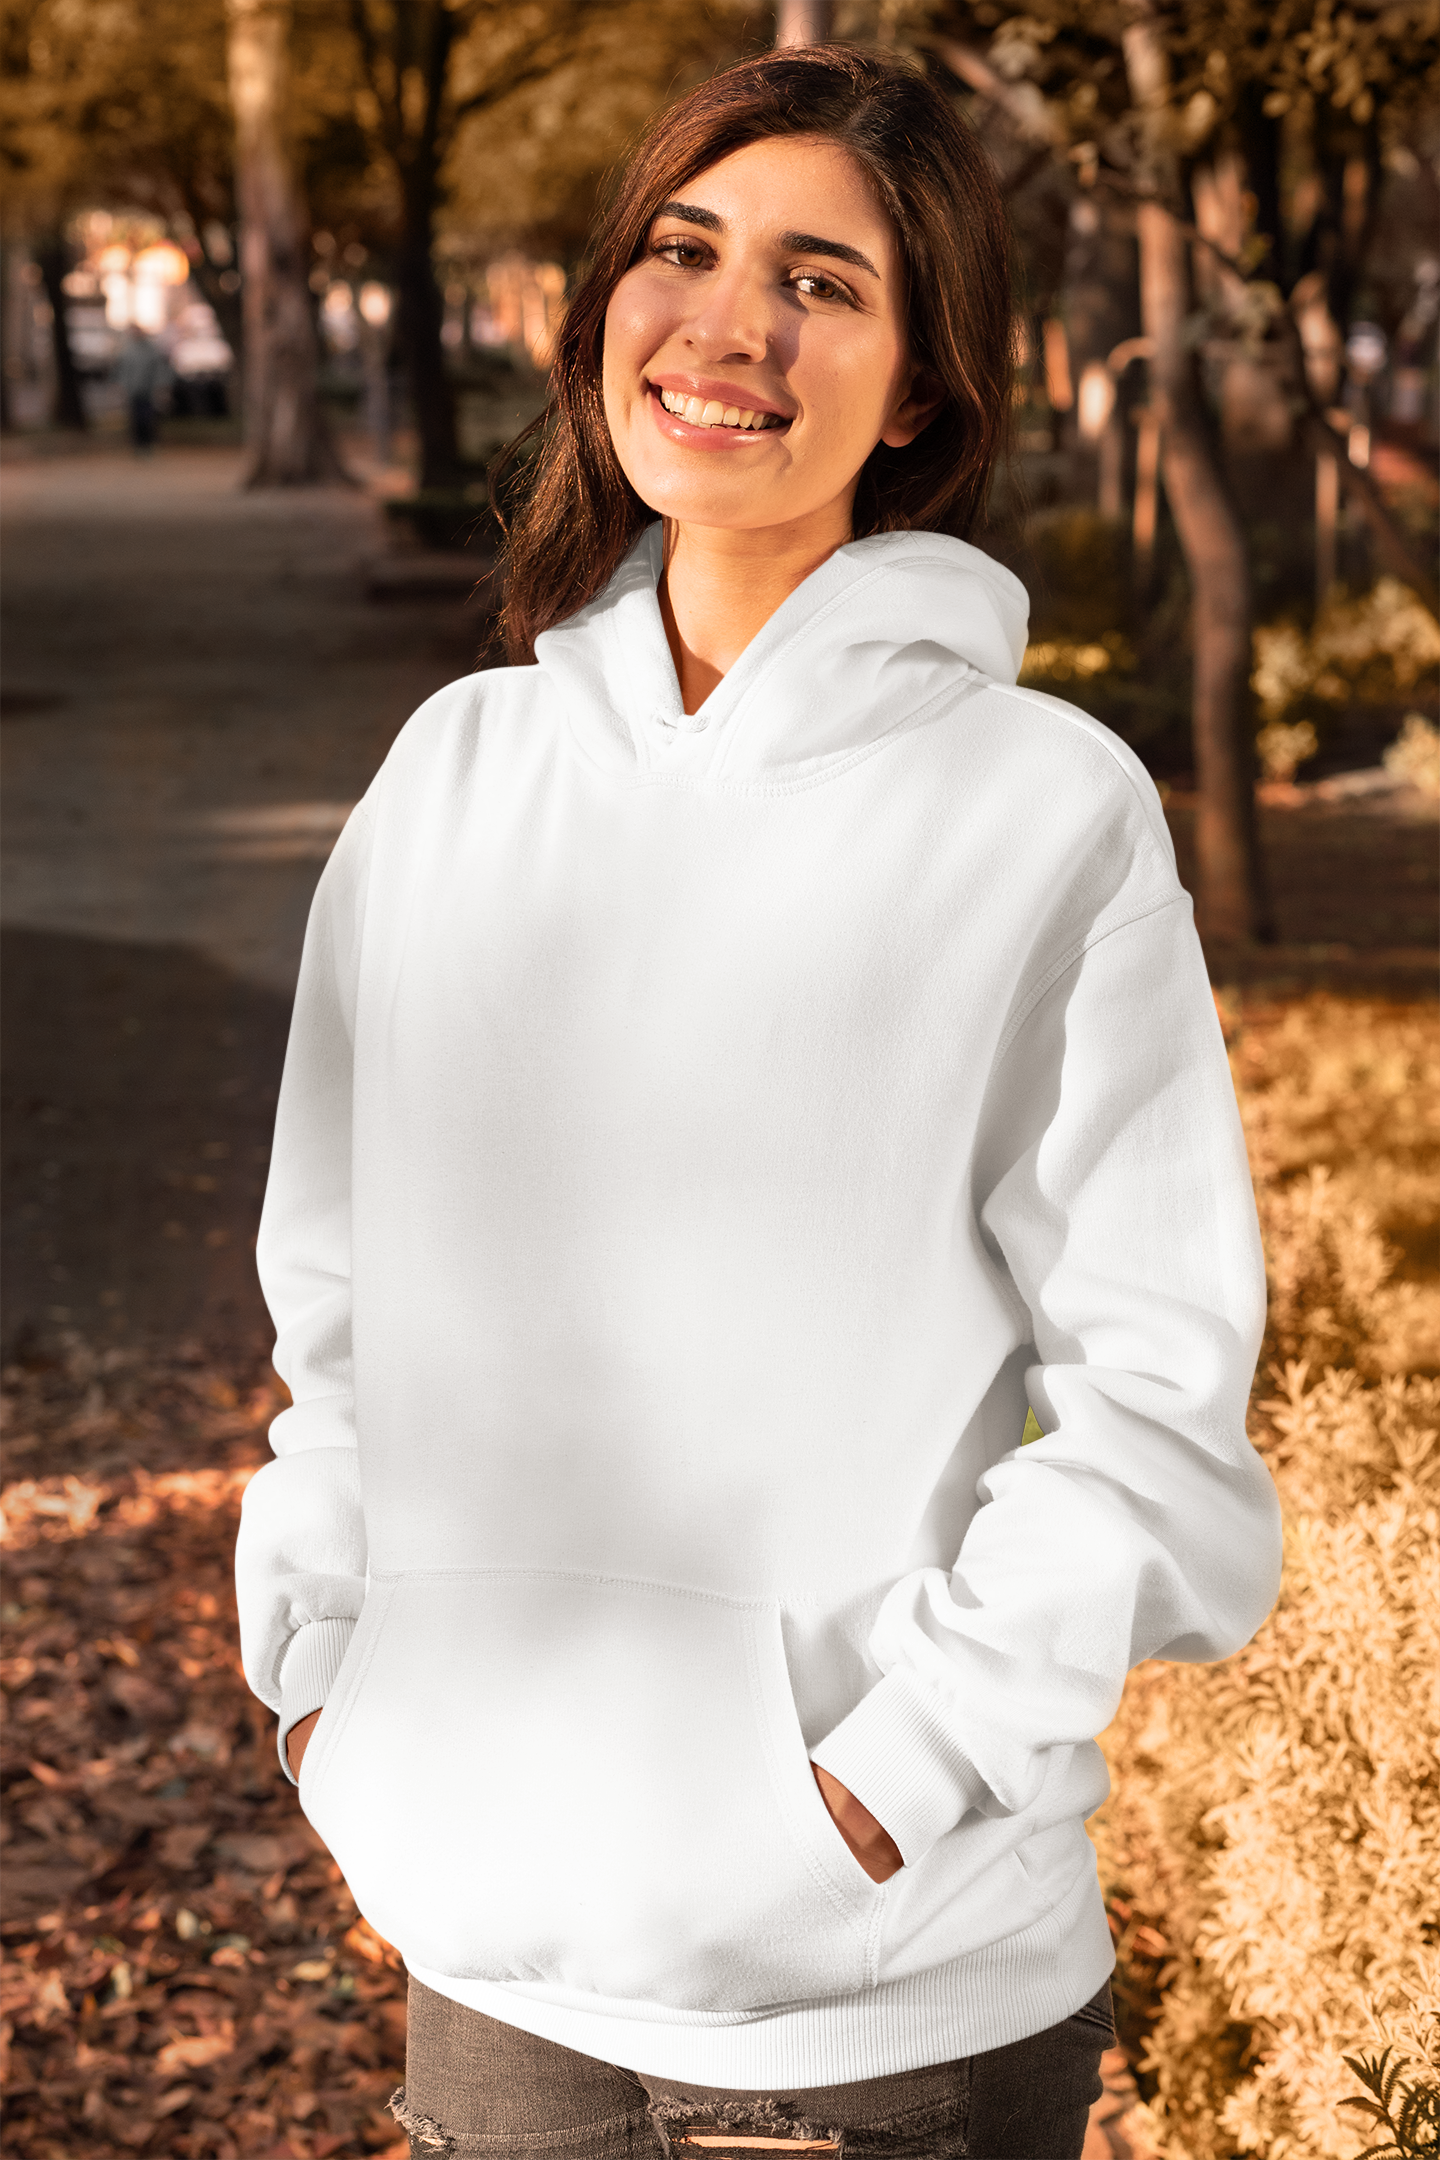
700,412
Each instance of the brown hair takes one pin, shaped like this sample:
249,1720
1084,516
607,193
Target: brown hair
580,515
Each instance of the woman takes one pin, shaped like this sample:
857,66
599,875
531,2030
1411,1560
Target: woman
759,1233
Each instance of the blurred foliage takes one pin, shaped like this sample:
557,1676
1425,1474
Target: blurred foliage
1078,570
1374,647
1076,566
534,164
1269,1845
1284,747
1415,755
1380,57
124,103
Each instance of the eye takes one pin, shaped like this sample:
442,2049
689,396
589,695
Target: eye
817,286
680,249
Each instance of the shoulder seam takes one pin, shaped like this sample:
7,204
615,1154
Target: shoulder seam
1067,960
1063,711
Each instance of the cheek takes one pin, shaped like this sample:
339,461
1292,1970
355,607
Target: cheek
853,382
634,328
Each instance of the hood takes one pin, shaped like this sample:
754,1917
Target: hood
885,625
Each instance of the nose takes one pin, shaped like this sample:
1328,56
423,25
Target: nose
734,319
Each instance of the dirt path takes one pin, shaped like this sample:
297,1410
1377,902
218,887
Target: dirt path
196,688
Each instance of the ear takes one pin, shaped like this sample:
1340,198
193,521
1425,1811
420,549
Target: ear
920,399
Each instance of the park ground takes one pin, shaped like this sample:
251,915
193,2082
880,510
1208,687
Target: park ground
198,684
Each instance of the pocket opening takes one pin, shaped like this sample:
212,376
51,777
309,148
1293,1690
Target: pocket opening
689,1877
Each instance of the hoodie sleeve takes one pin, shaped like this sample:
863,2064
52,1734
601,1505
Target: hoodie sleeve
300,1560
1113,1192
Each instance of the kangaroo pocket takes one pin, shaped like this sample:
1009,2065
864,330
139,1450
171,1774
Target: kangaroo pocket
592,1785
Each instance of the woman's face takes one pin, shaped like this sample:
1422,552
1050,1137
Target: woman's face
756,353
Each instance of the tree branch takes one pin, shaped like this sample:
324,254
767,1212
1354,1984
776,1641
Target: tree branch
1390,534
532,70
1032,116
391,119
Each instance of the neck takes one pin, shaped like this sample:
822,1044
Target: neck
720,588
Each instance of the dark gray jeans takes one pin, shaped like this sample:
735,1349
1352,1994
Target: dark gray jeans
473,2085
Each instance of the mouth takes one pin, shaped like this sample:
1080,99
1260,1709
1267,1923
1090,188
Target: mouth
713,416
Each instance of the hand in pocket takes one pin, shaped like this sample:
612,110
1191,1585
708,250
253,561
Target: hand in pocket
298,1739
867,1839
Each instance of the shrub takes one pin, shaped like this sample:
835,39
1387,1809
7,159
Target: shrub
1283,747
1372,649
1271,1839
1414,755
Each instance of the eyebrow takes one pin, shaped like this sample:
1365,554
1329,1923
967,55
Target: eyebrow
798,243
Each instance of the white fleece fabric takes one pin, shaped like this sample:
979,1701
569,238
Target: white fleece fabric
704,1139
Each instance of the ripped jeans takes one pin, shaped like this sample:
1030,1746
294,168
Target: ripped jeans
474,2085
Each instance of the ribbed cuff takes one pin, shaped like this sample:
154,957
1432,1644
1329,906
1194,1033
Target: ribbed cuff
895,1753
307,1674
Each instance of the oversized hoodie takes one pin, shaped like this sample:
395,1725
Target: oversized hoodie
762,1252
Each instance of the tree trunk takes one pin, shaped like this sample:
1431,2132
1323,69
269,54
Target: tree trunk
422,317
229,311
53,258
803,22
7,420
285,431
1231,904
208,274
422,311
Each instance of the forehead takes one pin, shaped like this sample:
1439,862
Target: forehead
789,181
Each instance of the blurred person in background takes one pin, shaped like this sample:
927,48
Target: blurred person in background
759,1231
143,373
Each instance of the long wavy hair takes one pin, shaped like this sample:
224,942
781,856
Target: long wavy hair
578,514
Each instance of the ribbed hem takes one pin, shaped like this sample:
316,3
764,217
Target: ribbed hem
307,1673
896,1754
1007,1991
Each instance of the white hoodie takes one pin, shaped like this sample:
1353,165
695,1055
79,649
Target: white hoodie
709,1144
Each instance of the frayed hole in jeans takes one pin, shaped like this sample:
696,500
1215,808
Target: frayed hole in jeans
424,2133
739,2126
728,2141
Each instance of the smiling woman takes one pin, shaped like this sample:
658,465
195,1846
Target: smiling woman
758,1229
876,354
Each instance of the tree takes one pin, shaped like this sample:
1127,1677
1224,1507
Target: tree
285,432
126,107
53,259
803,22
1135,96
39,164
499,121
1232,900
531,168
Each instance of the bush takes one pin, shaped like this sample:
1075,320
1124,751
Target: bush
1414,756
1269,1849
1373,649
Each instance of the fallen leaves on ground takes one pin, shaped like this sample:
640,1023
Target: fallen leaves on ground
185,1972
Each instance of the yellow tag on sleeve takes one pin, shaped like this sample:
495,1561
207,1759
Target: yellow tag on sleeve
1032,1429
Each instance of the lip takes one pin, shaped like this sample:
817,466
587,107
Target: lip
708,387
687,435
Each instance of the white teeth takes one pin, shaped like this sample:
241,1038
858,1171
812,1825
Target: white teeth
709,412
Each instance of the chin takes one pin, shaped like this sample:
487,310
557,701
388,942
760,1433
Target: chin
733,508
